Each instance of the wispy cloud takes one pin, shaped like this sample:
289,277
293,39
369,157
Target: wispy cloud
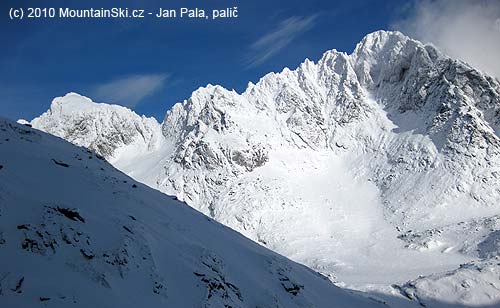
130,90
465,29
272,42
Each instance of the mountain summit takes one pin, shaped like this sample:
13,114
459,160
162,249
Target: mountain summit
103,128
388,153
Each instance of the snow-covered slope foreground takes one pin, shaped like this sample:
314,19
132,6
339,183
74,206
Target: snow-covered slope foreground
380,169
75,232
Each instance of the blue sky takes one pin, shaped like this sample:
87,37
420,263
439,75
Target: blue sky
150,64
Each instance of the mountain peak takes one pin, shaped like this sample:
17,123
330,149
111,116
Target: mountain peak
98,126
71,102
382,36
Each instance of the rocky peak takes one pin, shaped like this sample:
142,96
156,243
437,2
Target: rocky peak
102,128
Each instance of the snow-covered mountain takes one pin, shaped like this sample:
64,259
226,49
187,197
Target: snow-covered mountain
380,169
105,129
75,232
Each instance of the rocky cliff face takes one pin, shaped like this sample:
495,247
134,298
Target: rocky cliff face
340,158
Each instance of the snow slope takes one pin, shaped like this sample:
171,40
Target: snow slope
342,164
75,232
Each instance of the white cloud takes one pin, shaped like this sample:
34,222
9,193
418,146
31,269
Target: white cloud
277,39
130,90
467,30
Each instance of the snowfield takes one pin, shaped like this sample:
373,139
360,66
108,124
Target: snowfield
380,168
